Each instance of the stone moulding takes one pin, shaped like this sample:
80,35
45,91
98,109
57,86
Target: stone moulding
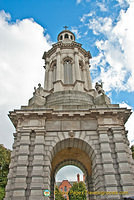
122,113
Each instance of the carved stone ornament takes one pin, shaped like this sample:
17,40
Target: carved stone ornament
71,133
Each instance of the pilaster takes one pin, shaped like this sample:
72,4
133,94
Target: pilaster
77,68
46,76
58,75
109,182
85,78
39,176
50,83
12,167
88,75
125,173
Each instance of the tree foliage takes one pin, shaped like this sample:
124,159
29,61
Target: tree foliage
132,149
4,168
78,191
58,194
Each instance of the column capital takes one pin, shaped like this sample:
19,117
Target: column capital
58,52
76,52
117,129
40,132
102,129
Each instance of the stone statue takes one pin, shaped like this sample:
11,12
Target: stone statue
39,91
38,98
99,88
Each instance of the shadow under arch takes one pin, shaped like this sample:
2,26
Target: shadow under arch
75,151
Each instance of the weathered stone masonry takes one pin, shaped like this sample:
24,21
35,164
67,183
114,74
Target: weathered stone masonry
69,122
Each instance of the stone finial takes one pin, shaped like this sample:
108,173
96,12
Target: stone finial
99,88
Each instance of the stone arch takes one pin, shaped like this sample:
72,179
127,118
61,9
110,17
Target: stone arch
74,163
70,147
66,36
65,58
71,162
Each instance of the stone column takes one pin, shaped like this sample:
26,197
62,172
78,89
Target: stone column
12,168
109,182
77,68
59,72
62,69
73,71
46,76
88,76
37,173
50,79
19,183
85,78
125,177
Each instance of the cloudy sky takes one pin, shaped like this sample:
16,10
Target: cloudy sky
28,28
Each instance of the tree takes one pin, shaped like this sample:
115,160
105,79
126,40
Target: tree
4,168
58,194
78,191
132,149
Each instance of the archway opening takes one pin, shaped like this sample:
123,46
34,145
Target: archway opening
75,157
66,177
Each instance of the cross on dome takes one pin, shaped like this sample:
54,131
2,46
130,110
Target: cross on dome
65,27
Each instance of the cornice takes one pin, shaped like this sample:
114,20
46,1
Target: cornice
94,112
63,45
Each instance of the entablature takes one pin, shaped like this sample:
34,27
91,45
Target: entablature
103,115
62,45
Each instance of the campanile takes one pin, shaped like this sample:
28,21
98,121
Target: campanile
70,122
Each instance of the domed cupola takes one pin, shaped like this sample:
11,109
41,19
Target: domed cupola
66,36
67,66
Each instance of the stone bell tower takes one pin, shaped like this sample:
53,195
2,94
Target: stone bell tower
68,122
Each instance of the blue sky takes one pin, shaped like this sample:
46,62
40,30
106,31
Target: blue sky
29,27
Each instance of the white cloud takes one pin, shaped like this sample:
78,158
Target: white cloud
123,2
102,6
100,25
79,1
116,50
21,66
83,18
74,30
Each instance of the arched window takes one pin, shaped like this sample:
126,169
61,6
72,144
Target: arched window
61,37
68,76
71,37
66,35
53,68
65,189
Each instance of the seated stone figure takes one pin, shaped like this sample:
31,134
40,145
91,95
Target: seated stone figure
38,98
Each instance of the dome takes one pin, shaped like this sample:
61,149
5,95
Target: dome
66,35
